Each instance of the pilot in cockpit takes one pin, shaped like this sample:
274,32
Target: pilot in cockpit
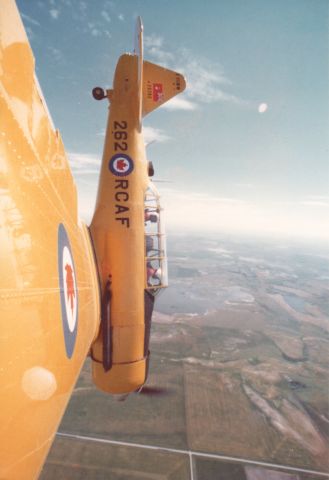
153,275
150,216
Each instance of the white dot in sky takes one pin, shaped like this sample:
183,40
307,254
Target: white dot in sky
262,107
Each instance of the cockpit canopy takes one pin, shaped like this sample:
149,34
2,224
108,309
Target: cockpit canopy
156,270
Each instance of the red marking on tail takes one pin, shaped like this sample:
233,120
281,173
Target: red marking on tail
157,92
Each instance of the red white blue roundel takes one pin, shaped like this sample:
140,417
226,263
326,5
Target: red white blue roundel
121,165
68,290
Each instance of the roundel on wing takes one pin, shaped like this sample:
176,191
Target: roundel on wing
68,290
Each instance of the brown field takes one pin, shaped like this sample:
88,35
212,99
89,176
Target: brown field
220,418
72,459
151,420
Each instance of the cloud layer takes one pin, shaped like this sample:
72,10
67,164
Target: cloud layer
207,82
190,211
198,212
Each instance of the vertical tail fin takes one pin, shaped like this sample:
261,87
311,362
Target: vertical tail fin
138,50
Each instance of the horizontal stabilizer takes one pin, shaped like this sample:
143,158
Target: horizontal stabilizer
159,86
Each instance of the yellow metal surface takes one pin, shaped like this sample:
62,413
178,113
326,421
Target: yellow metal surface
50,309
117,230
169,84
118,225
37,194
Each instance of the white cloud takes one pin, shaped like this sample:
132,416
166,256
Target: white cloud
92,27
54,13
153,40
154,46
315,203
152,134
56,54
310,201
106,16
84,163
179,103
30,19
87,194
243,185
319,197
161,56
96,29
85,170
82,6
206,81
202,212
190,211
121,17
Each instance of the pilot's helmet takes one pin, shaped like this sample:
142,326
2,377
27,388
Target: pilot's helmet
152,217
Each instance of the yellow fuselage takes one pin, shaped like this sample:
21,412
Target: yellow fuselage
117,230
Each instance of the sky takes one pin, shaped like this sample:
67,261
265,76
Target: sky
245,149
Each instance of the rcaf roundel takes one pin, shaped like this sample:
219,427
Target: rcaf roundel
68,290
121,165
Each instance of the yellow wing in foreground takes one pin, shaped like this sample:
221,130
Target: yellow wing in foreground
50,289
49,308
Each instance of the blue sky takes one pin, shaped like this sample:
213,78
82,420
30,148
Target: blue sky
232,168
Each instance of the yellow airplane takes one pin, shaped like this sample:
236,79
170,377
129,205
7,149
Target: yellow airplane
68,290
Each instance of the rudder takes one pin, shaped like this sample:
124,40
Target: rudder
159,85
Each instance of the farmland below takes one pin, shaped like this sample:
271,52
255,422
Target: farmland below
239,355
